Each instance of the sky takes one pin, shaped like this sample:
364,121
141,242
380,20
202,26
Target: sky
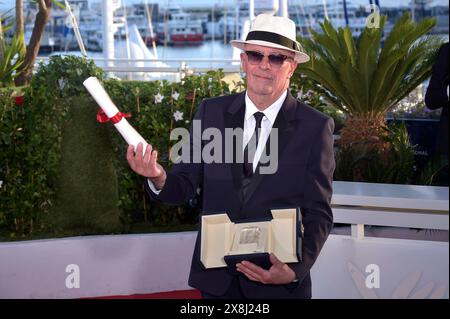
5,4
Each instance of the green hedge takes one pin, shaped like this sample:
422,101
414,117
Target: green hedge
30,136
63,173
86,187
31,122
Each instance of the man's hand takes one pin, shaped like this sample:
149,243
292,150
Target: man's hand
280,273
146,165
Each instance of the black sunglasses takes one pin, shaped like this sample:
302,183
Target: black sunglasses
275,60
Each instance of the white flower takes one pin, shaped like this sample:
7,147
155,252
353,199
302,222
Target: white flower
1,184
162,84
178,116
113,77
175,95
209,87
158,98
300,94
310,94
61,83
209,80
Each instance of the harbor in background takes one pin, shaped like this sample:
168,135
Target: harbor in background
153,41
170,25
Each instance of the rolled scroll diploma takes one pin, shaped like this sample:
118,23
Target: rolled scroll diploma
102,98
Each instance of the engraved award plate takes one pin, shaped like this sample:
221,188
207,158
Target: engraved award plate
250,235
249,239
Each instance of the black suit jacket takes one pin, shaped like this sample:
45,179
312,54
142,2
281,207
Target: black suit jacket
303,179
436,96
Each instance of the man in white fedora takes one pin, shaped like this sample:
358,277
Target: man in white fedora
302,178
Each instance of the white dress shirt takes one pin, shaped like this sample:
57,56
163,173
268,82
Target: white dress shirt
270,114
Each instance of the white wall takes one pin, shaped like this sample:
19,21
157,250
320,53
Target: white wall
133,264
407,268
109,265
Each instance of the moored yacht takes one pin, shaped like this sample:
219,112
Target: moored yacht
180,27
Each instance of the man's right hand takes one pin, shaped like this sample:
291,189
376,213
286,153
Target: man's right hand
147,165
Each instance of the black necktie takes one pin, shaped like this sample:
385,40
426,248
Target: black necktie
250,148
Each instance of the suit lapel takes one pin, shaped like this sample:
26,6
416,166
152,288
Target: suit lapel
284,122
234,118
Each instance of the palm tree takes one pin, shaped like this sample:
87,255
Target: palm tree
31,50
10,54
22,72
365,78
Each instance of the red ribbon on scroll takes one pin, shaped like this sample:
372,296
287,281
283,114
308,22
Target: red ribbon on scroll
103,118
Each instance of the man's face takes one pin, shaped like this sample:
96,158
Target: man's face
264,78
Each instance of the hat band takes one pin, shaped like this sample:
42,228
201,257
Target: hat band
272,37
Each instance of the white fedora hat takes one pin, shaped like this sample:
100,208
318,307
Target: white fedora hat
275,32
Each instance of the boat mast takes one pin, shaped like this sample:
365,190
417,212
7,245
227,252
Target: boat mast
127,39
150,26
108,32
377,3
225,27
345,12
325,11
213,30
283,9
305,18
76,29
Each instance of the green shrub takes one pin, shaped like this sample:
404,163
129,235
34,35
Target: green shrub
154,121
305,90
65,174
55,159
362,164
30,143
29,140
86,187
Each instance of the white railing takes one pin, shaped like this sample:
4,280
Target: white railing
183,65
415,206
347,267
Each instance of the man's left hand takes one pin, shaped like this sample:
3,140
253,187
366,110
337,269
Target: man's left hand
280,273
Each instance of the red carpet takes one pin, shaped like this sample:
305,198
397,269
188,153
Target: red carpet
178,294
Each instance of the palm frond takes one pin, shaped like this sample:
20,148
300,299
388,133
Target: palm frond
12,60
367,47
364,76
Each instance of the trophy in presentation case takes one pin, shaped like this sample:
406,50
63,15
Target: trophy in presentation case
225,243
